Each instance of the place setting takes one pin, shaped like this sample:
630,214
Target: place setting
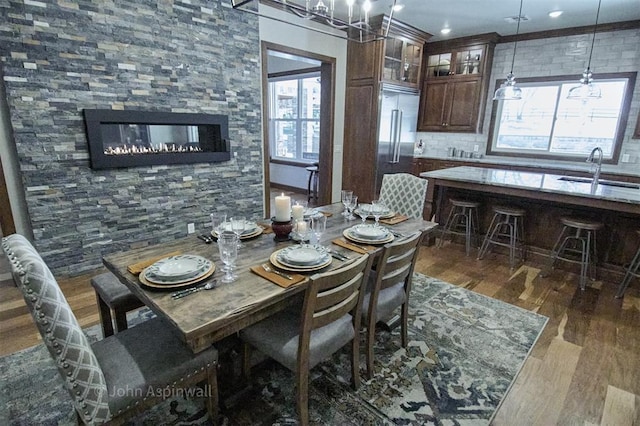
243,228
178,271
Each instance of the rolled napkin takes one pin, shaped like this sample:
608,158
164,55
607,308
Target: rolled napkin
277,279
138,267
358,248
395,219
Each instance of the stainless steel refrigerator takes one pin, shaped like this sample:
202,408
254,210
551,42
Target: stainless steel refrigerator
396,130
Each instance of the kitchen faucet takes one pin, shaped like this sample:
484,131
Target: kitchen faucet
597,163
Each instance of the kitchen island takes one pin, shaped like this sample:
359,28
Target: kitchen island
545,197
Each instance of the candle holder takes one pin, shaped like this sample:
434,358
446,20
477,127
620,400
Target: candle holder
281,229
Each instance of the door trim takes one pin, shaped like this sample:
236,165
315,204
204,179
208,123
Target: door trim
327,108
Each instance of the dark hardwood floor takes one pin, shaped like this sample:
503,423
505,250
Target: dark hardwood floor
584,369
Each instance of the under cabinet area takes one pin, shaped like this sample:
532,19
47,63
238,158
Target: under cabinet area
455,83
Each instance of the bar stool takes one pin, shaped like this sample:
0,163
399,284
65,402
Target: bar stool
312,185
462,220
111,294
632,271
507,230
577,244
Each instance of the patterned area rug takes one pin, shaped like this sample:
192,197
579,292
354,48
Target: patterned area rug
464,352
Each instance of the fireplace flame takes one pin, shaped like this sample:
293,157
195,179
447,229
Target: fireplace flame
142,150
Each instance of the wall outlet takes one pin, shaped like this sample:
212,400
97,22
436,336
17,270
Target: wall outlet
191,228
476,148
625,158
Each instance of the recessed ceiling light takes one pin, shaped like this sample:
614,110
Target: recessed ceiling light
445,31
555,13
398,7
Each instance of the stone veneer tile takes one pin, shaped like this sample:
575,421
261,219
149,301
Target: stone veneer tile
196,56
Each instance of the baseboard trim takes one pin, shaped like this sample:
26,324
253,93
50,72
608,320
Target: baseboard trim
288,188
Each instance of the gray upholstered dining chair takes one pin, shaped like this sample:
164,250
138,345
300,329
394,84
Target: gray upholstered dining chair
299,339
404,193
109,381
388,289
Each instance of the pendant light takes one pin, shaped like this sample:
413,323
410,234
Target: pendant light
509,91
586,89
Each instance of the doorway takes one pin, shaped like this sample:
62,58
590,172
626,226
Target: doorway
280,63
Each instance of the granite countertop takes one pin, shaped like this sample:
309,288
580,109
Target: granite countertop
568,166
542,182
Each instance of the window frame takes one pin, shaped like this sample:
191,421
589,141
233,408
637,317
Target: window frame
622,127
299,121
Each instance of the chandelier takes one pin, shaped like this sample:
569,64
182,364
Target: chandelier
352,17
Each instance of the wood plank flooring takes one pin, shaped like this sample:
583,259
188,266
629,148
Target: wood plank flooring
584,369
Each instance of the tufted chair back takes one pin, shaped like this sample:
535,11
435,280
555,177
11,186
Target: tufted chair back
404,193
60,330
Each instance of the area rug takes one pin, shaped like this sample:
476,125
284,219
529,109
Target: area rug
464,352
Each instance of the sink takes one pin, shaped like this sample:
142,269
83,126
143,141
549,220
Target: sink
601,182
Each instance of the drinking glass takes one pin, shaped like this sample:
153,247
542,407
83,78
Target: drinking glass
318,226
238,225
346,200
351,207
378,207
217,219
228,246
302,228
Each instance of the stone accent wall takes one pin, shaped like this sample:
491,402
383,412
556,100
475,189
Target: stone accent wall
62,56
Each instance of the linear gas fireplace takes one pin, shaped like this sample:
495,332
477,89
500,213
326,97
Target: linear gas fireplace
144,138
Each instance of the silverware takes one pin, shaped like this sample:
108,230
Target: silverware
207,239
273,271
338,256
208,286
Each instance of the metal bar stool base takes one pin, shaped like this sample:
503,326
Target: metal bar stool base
462,220
632,271
576,244
506,230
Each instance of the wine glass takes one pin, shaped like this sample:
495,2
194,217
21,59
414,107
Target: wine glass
377,208
363,211
302,228
318,226
351,207
238,225
346,200
228,247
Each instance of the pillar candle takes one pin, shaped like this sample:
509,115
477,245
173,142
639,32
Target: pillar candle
283,208
297,212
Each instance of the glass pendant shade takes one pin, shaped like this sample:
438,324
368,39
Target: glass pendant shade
586,89
508,91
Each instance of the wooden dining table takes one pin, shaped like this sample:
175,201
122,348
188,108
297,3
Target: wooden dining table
207,316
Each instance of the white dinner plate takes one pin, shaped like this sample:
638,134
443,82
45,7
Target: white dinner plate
370,232
179,267
303,256
252,229
150,273
351,235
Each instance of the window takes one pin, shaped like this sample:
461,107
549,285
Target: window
545,124
294,117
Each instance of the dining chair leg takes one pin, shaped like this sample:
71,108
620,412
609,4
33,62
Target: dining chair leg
303,395
355,361
404,321
212,389
371,330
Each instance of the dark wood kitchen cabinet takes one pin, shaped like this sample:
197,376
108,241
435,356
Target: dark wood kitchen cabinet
396,60
455,84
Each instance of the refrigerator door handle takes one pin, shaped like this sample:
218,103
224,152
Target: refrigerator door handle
396,156
393,135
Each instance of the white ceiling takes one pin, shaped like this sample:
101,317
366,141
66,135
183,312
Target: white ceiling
471,17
